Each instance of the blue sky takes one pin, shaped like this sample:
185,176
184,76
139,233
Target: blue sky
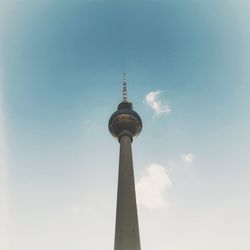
61,64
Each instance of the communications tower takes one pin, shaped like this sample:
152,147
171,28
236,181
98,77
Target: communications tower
125,124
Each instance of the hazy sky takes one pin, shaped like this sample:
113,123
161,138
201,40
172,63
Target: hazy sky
187,65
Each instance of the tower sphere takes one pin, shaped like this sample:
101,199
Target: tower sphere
125,119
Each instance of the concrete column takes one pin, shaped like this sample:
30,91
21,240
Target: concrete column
127,230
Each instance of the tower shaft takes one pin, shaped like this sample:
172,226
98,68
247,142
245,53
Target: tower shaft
127,230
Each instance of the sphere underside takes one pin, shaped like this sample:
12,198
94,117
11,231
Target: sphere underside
123,120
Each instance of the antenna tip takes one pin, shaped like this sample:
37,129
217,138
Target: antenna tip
124,88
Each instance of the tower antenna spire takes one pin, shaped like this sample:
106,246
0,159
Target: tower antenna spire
124,92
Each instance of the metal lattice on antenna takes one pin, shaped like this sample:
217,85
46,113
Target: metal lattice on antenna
124,92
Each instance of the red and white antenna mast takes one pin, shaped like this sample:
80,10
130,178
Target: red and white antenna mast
124,92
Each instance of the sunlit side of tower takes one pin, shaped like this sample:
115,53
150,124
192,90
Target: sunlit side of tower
125,124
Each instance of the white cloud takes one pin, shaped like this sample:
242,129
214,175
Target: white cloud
187,158
152,187
157,105
76,210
